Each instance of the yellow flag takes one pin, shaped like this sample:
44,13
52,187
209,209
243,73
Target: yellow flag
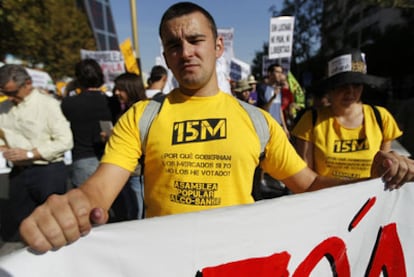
129,57
296,89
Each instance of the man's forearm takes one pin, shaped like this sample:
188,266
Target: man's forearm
322,182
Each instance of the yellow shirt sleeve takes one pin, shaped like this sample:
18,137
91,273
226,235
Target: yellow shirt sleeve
124,145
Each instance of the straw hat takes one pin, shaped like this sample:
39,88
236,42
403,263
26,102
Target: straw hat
251,79
242,85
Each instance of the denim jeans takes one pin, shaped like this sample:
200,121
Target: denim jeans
137,185
82,169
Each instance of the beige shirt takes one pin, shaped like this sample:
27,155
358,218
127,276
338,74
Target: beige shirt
37,122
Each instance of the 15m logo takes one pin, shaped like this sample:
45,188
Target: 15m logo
199,130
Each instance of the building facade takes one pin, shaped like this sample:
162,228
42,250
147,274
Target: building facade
102,24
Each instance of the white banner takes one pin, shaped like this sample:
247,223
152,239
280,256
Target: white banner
353,230
41,79
281,37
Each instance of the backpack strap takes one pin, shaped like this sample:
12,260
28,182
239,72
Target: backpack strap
374,108
150,111
377,117
260,124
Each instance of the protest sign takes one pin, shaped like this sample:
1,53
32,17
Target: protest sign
41,79
281,37
352,230
111,62
239,69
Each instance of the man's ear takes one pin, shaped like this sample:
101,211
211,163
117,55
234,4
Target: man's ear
219,47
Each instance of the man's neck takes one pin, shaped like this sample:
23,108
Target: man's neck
204,92
156,86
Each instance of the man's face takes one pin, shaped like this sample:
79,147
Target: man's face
191,50
276,75
15,93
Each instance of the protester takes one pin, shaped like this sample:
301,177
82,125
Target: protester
253,93
34,135
287,101
269,96
242,91
341,140
205,157
129,88
157,80
85,110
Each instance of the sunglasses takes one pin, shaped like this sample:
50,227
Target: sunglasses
9,93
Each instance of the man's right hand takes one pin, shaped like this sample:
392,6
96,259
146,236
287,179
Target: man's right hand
61,220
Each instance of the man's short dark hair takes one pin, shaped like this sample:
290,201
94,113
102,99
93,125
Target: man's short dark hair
157,72
89,74
272,66
184,8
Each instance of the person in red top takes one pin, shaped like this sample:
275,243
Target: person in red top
287,100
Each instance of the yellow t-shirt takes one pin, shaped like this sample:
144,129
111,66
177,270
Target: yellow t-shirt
342,152
201,153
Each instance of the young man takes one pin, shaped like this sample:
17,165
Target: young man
192,157
269,96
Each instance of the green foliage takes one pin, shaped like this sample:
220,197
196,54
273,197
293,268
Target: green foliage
48,32
308,21
307,32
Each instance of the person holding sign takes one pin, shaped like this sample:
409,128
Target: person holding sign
206,155
342,139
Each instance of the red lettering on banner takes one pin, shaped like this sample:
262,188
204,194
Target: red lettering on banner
271,266
334,250
362,212
112,67
387,256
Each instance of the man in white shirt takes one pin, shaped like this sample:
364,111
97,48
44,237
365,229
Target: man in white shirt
156,81
34,136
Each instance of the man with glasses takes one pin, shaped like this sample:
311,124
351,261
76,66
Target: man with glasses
269,96
34,134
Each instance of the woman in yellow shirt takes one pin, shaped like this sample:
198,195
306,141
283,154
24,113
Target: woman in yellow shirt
341,140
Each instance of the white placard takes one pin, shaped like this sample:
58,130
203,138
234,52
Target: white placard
281,37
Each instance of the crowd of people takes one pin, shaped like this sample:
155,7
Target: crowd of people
201,150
